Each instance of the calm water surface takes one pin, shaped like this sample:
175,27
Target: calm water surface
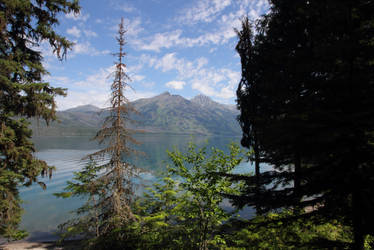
43,211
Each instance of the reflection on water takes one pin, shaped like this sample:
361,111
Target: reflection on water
43,211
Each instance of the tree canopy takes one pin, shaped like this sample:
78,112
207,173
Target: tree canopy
24,25
306,98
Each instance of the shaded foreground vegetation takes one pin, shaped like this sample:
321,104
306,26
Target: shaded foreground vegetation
185,210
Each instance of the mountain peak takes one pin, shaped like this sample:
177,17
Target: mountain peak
202,100
84,108
165,113
166,93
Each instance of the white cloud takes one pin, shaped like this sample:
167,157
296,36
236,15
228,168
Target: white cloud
185,68
100,79
174,38
133,69
167,62
213,82
86,49
77,98
205,11
137,78
57,80
148,59
126,7
133,26
221,83
77,17
93,89
74,31
90,33
160,40
122,5
175,84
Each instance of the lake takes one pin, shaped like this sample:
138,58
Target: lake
43,211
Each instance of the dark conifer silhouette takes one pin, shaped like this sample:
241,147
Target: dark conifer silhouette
306,100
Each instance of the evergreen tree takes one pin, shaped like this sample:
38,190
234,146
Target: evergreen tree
87,184
248,100
23,93
312,115
107,180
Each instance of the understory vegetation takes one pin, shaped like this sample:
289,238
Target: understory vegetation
188,208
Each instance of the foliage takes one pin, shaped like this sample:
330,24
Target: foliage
88,185
158,219
272,232
305,99
185,210
24,25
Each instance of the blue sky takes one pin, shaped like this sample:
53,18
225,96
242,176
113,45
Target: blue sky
184,47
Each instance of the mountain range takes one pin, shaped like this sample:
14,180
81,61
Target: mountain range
164,113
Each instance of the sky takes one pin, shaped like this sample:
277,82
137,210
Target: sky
183,47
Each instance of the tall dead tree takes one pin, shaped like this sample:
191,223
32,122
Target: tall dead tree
118,173
107,179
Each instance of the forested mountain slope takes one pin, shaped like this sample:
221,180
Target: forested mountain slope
164,113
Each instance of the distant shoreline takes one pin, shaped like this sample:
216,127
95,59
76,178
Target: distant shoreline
144,133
